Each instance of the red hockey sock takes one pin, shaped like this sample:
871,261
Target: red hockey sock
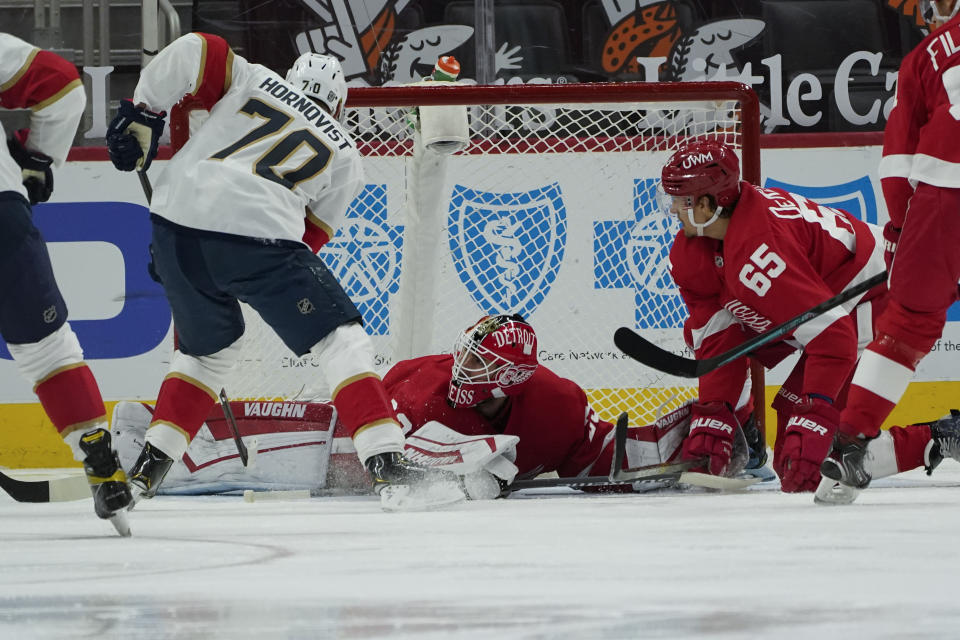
909,445
363,402
71,398
883,373
183,404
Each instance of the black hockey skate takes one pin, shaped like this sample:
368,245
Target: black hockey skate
148,472
845,462
755,443
108,482
946,440
404,485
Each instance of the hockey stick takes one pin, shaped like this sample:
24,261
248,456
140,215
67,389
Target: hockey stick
57,490
645,352
246,457
228,414
145,184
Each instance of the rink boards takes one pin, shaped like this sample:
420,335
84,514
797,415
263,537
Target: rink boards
98,219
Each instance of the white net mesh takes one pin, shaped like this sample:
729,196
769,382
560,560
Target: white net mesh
551,212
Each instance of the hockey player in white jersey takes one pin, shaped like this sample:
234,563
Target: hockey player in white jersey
33,315
238,214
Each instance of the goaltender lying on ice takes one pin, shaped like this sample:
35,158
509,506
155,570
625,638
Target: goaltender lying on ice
301,445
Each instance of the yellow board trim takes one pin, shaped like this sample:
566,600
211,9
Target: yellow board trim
29,440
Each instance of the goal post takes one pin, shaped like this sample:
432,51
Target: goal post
551,210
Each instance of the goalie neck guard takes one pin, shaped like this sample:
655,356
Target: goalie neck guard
492,359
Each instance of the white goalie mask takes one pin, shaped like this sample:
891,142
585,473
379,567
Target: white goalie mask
492,359
932,14
320,76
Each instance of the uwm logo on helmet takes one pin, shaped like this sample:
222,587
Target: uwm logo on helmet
507,247
696,159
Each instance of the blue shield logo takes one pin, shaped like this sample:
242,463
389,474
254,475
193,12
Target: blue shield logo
634,254
507,247
364,255
855,197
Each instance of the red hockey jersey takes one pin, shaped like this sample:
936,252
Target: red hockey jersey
558,430
782,254
919,141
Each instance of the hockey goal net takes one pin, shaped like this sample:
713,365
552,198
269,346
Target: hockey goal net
551,211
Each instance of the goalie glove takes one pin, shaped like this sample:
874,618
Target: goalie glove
807,440
713,429
133,136
36,168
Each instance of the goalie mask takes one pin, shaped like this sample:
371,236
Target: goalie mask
932,14
320,76
492,359
702,168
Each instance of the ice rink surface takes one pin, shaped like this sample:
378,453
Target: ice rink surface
757,564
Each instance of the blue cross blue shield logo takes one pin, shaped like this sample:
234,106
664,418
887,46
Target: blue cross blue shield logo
507,247
855,197
633,254
364,255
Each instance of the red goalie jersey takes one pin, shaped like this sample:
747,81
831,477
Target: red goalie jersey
558,430
782,254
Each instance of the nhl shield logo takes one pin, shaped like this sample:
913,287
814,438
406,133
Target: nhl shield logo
507,247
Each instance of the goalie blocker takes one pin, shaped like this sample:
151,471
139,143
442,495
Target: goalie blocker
302,446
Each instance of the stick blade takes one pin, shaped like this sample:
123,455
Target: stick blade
645,352
619,445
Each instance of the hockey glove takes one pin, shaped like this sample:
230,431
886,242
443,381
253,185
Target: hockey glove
891,236
133,136
712,430
807,440
35,167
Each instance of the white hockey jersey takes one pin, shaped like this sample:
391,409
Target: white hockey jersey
50,87
266,160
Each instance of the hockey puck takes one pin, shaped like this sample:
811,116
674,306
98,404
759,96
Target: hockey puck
250,495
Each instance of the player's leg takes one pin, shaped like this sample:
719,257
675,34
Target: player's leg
311,313
923,284
33,322
209,326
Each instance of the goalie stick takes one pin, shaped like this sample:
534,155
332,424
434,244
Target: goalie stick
645,352
56,490
618,476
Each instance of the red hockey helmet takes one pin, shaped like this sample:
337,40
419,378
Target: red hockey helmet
492,359
703,167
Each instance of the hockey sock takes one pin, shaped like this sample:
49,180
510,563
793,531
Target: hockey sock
364,409
910,445
182,406
71,398
883,373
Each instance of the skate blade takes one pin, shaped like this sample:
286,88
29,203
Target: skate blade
830,492
437,495
121,523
